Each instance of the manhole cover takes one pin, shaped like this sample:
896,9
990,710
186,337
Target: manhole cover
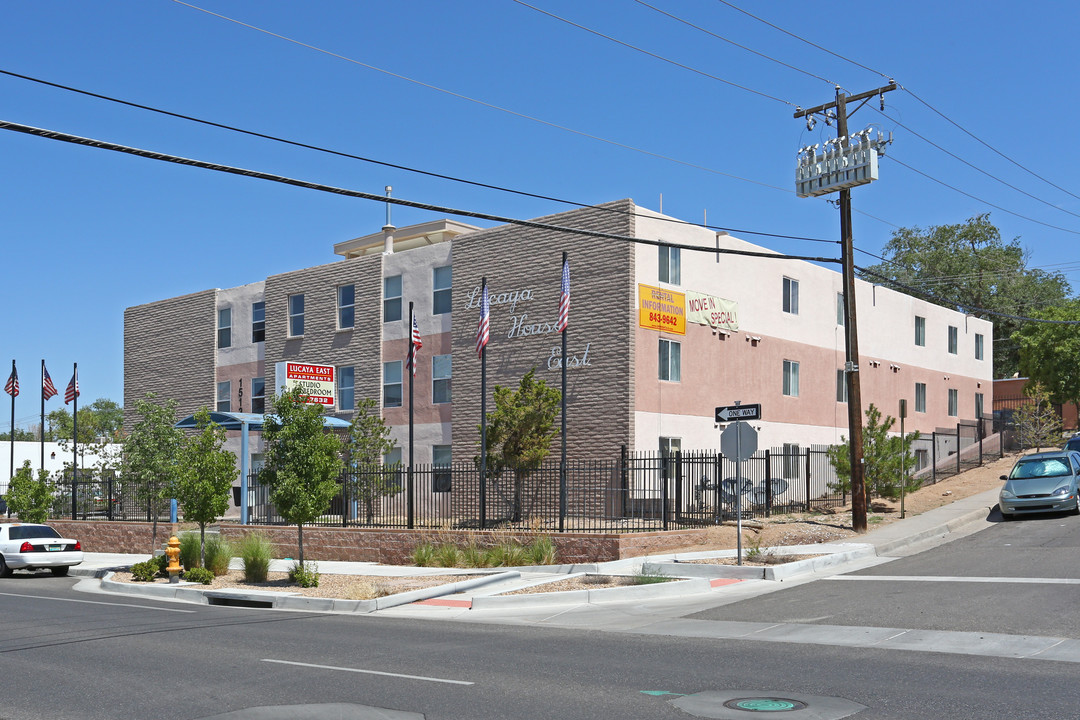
765,704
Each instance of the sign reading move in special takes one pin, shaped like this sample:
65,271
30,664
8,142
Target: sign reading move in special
712,311
315,381
660,309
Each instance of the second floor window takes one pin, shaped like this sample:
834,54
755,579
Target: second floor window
670,360
954,337
954,402
258,322
296,315
920,331
791,296
346,307
441,296
841,387
670,265
791,378
224,327
978,346
392,384
346,388
224,396
440,379
920,397
258,395
840,308
391,304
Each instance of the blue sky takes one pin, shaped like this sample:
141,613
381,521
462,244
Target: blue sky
87,232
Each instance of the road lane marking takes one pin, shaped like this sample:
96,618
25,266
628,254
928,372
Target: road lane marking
369,672
935,578
96,602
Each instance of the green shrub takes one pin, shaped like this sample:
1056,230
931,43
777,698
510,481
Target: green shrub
423,555
541,551
306,575
644,577
147,570
199,575
189,550
508,554
255,551
218,554
475,557
447,555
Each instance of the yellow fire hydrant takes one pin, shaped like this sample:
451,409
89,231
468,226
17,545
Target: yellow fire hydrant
173,553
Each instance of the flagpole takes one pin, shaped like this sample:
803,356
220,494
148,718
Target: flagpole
483,419
562,463
412,375
11,435
75,444
42,413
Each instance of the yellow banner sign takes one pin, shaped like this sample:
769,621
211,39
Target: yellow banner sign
660,309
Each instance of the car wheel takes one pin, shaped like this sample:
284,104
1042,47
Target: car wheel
1007,516
60,571
1076,510
5,571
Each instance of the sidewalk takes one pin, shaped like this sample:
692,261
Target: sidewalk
483,596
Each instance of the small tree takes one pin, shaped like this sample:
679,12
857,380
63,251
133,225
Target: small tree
207,472
150,454
28,498
369,440
883,456
520,430
302,462
1037,423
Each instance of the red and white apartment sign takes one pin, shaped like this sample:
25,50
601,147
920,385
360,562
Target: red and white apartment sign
315,381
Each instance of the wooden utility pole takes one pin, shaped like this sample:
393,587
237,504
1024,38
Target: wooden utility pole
851,333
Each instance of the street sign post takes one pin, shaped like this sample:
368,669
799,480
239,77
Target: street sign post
731,413
738,442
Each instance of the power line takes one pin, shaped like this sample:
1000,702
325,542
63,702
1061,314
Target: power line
382,163
483,103
652,54
163,157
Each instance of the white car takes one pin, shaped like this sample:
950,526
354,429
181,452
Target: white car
28,546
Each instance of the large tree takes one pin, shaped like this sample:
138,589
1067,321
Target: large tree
207,472
101,419
303,461
1049,351
151,454
970,268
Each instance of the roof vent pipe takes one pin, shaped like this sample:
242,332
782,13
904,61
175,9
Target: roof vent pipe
388,228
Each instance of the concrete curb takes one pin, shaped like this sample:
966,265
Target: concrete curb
760,572
674,588
945,528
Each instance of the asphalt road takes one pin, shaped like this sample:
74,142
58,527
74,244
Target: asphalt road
66,654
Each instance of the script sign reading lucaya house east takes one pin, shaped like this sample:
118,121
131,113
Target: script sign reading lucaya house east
315,381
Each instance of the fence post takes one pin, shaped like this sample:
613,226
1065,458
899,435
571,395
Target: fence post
344,498
768,481
663,491
718,470
957,448
109,497
933,456
809,453
678,486
980,443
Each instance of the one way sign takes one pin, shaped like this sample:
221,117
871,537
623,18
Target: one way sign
731,413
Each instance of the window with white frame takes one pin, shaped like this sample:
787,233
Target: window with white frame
670,264
224,327
346,307
840,309
920,397
394,470
440,378
441,478
791,378
922,459
441,298
224,396
954,402
841,386
346,379
920,331
954,339
669,447
258,395
978,346
296,315
979,407
391,304
258,322
791,296
392,384
670,360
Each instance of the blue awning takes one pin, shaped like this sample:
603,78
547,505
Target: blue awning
254,421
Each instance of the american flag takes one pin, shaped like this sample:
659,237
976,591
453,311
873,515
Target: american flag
414,346
72,391
12,385
564,298
482,328
48,390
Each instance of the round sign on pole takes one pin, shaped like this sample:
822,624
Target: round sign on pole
738,441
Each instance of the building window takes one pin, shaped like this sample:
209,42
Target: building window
393,478
224,396
791,296
258,395
920,331
670,265
258,322
670,360
346,307
441,479
296,315
392,458
920,397
979,407
669,447
922,459
346,388
841,387
978,346
441,299
440,379
391,304
791,378
792,456
954,402
392,384
954,339
840,309
224,327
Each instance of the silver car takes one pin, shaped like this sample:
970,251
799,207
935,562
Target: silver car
1043,482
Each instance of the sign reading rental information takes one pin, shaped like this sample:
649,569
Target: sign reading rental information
315,381
660,309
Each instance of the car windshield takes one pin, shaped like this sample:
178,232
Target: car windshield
1043,467
23,532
